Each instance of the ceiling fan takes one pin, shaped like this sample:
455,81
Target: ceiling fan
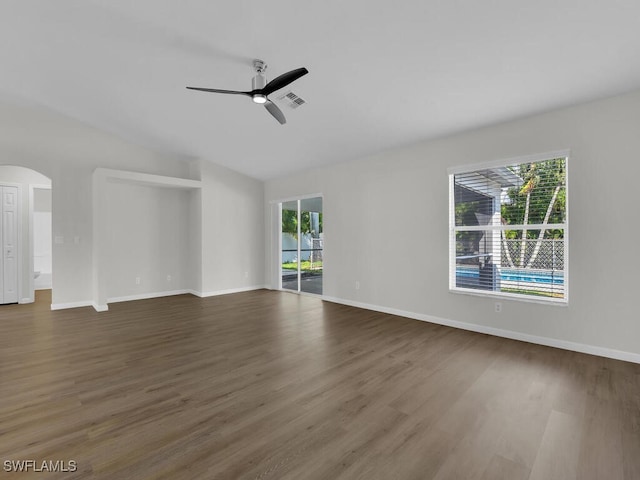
261,89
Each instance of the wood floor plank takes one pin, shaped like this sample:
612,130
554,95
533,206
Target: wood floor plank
501,468
272,385
560,448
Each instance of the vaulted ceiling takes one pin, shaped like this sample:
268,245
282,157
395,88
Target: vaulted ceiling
382,74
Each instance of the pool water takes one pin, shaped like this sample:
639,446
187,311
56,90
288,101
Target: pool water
516,275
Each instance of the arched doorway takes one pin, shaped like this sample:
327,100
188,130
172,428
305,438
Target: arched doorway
26,262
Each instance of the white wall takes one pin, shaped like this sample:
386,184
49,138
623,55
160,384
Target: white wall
224,221
68,151
25,178
232,230
149,234
386,226
42,239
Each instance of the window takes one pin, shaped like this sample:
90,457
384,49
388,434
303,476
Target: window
508,228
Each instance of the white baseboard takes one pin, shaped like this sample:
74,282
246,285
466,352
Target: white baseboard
498,332
26,300
227,291
63,306
100,308
145,296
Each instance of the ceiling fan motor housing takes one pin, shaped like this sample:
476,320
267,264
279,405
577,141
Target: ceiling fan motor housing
259,81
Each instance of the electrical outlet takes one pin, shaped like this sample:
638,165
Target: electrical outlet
246,274
137,280
498,307
357,285
168,278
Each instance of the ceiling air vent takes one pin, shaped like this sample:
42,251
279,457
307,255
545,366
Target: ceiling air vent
292,100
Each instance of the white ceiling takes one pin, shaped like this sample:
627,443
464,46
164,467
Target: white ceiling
382,73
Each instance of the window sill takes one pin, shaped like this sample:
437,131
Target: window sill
557,302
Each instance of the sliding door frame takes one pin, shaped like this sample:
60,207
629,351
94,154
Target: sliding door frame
277,254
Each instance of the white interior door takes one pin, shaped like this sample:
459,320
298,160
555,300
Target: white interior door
9,237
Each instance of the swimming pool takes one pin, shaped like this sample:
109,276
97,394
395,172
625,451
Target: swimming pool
518,275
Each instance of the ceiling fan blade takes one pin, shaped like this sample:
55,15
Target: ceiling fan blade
284,80
275,111
216,90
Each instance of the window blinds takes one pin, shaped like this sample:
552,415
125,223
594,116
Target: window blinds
509,229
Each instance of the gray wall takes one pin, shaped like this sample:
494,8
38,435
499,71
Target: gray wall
386,226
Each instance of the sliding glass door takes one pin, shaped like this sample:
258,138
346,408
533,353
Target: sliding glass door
290,265
302,245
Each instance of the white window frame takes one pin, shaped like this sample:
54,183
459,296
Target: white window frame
453,229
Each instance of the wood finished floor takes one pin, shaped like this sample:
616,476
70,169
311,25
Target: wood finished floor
272,385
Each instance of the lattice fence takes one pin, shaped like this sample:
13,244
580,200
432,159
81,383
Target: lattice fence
549,253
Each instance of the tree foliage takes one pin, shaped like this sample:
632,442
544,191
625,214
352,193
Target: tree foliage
543,182
290,222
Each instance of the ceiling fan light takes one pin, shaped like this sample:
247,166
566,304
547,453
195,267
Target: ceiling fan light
258,98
